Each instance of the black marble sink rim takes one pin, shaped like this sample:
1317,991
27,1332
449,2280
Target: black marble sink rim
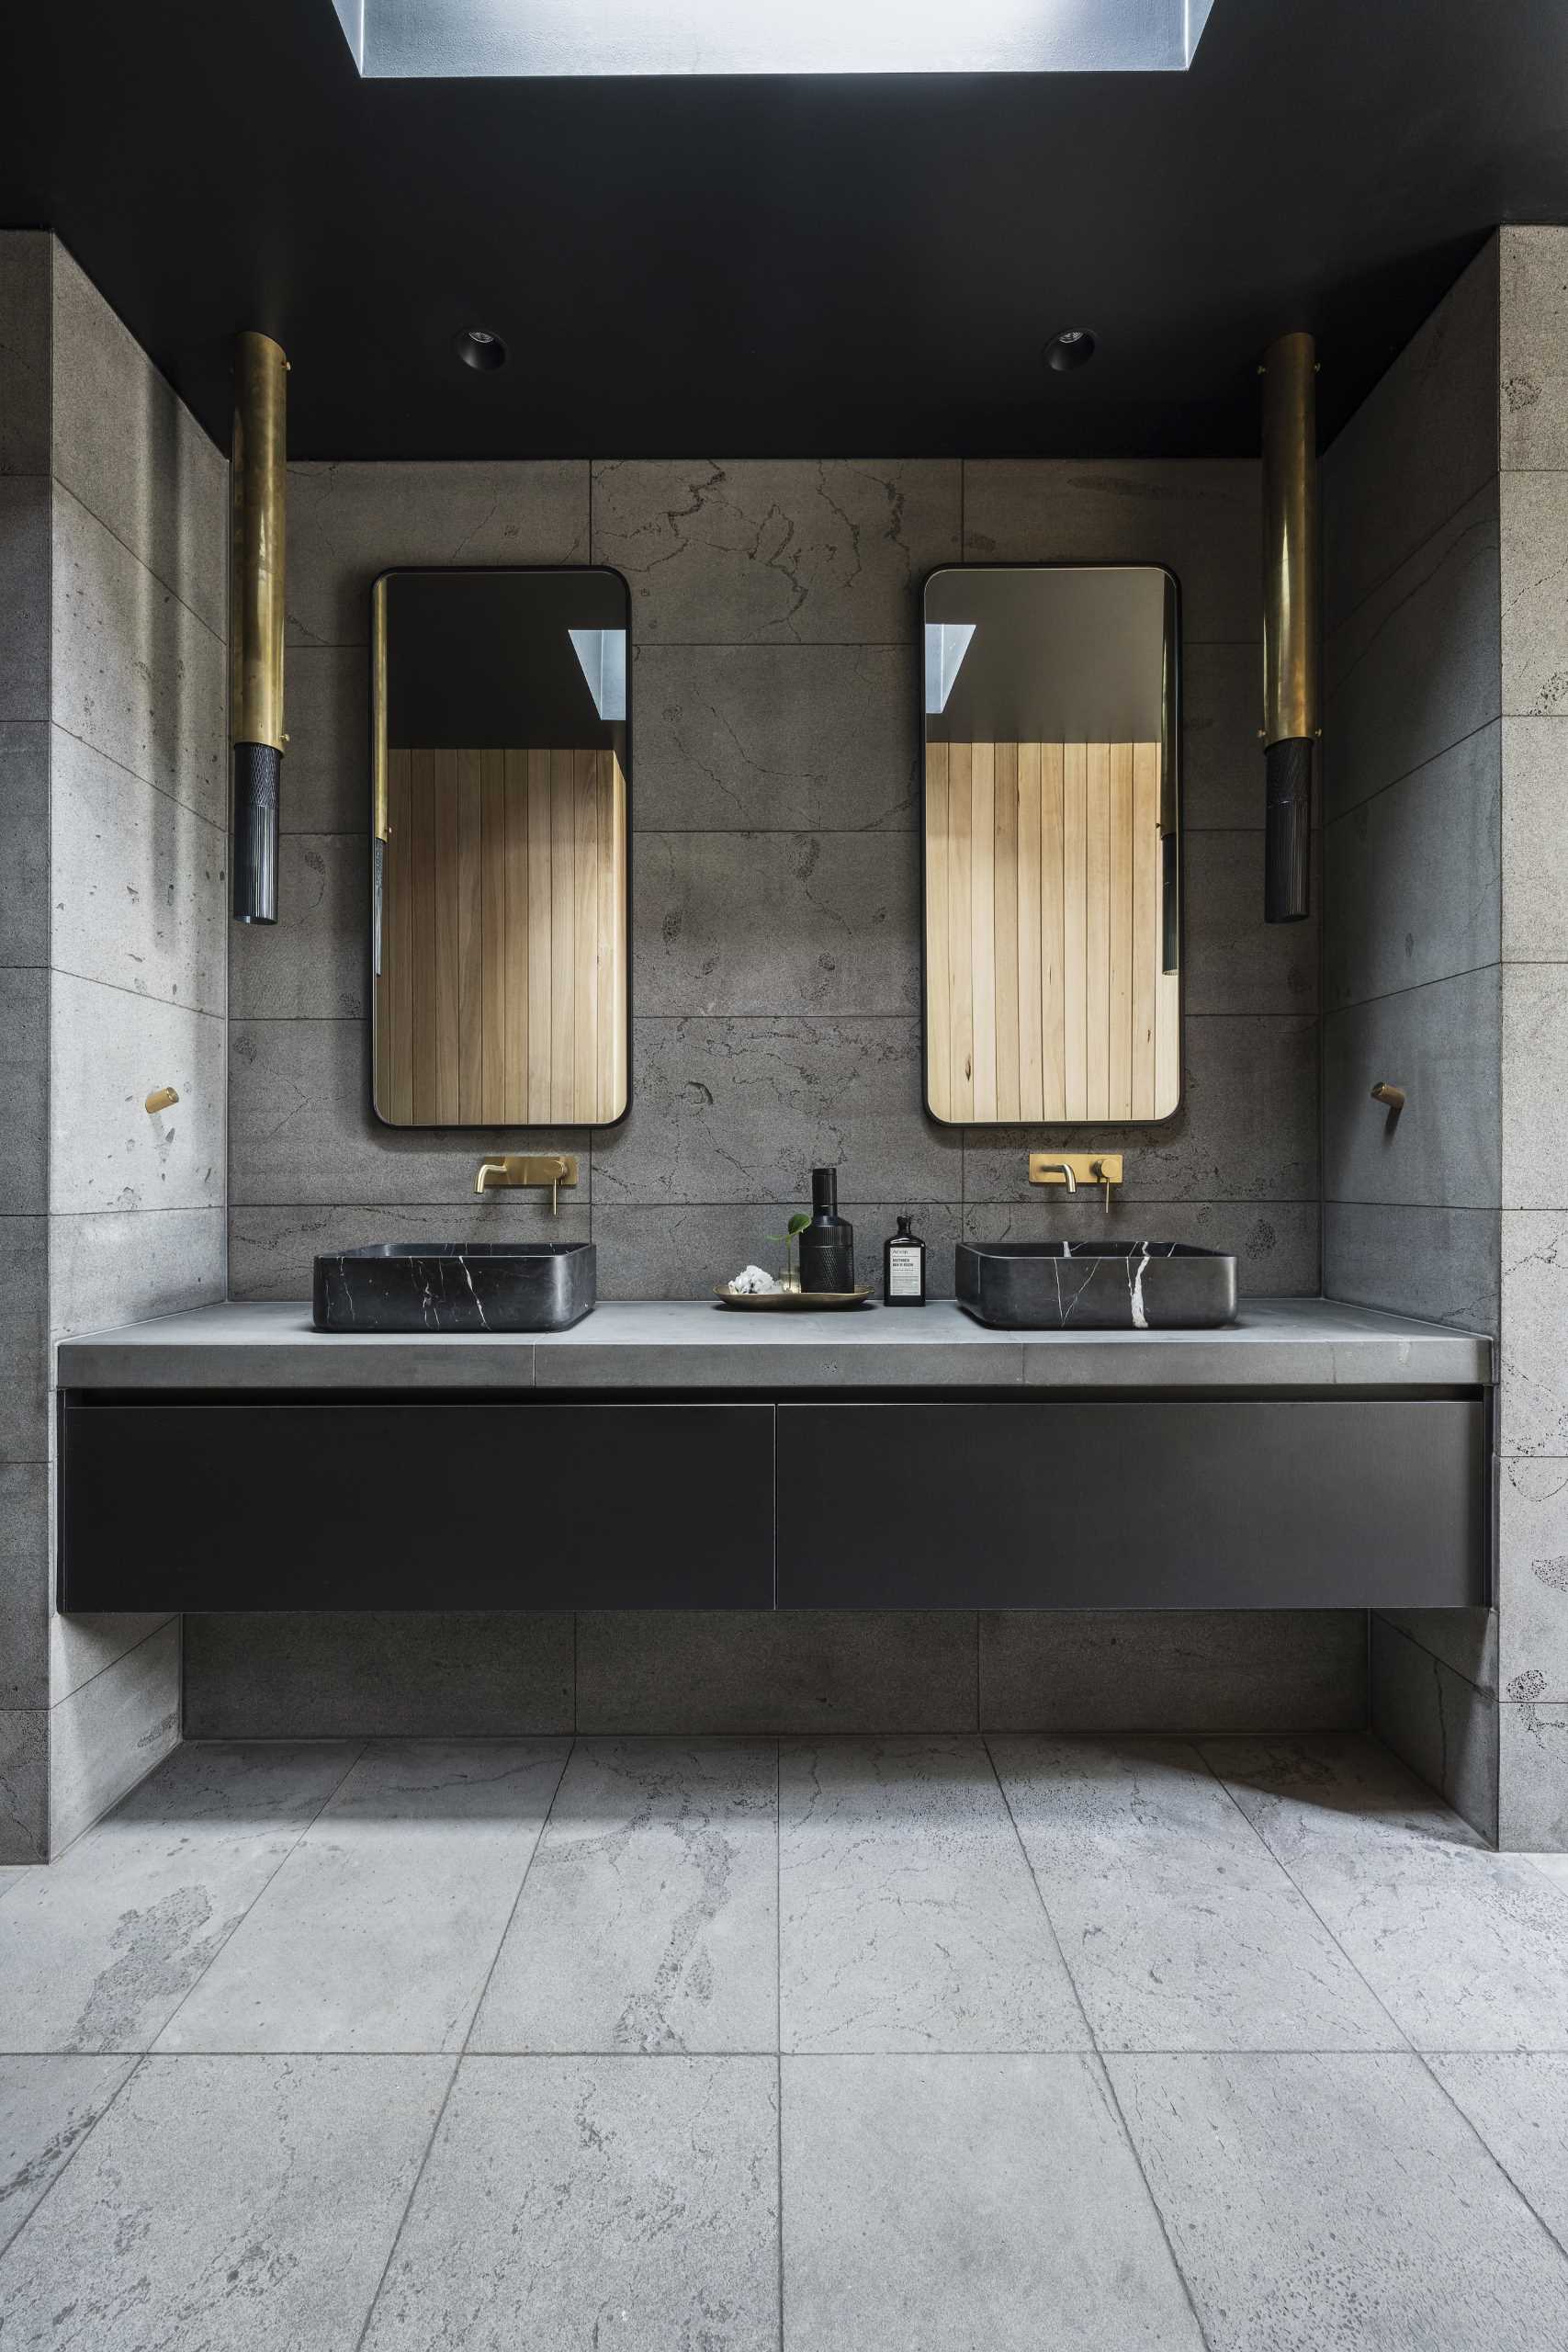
446,1286
1104,1286
370,1251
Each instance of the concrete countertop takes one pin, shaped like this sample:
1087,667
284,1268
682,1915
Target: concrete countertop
695,1343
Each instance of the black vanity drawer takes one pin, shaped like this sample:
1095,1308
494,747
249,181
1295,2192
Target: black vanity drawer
416,1506
1272,1503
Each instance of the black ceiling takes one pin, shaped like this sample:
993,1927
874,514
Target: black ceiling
768,267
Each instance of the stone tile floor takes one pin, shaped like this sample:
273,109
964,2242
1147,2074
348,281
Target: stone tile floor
712,2045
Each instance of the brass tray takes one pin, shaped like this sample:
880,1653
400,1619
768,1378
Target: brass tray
791,1298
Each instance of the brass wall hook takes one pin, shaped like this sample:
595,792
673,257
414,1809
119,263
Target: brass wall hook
162,1098
1394,1096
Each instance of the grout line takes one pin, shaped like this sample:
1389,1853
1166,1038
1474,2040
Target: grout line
1438,980
1096,2054
359,1749
1219,1783
60,483
1560,2243
413,2192
139,2059
457,2060
55,726
1406,775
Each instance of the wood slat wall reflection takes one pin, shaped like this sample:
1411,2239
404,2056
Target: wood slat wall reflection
1045,996
501,999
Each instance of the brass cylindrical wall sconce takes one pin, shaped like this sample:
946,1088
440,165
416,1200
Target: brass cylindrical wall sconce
1291,624
255,620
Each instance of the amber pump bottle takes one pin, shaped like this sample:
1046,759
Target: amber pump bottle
904,1267
828,1243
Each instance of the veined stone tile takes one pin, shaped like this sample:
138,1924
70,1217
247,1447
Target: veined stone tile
792,549
126,445
1160,1669
24,1785
1532,1777
316,963
740,1107
231,2202
110,1732
326,776
25,1552
1520,2106
1235,961
113,1266
349,522
841,933
380,1929
1440,1724
1534,1064
649,1920
25,1415
1316,2202
1422,442
1466,1950
1440,1043
99,1950
377,1673
1532,1368
770,1671
1200,516
908,1919
26,260
979,2200
1533,323
303,1132
775,738
1438,1263
1534,516
24,1074
1532,1574
138,897
136,675
569,2197
1416,667
24,841
1412,877
1180,1931
26,573
1534,839
107,1049
46,2107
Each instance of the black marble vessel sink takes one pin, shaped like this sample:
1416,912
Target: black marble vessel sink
455,1286
1095,1285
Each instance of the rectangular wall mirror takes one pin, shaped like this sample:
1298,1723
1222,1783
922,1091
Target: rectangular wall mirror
500,754
1052,918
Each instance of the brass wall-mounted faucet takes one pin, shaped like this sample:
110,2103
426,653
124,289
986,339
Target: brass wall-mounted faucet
552,1168
1074,1167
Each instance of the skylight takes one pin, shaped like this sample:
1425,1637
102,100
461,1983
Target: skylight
402,39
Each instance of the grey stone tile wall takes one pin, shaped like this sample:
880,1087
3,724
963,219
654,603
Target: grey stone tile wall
776,918
1414,988
798,1671
113,965
1533,1429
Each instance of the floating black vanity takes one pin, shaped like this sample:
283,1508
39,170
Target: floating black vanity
670,1455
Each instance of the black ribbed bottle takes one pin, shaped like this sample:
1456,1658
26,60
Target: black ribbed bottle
828,1243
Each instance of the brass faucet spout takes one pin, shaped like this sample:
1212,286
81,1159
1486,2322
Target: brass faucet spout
507,1168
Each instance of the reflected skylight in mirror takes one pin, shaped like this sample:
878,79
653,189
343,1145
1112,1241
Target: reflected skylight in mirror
464,39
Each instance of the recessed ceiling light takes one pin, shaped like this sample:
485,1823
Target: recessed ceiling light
1074,347
480,347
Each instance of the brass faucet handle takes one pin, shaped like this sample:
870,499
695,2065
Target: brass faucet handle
518,1168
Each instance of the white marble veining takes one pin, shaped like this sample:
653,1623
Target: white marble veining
673,1343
